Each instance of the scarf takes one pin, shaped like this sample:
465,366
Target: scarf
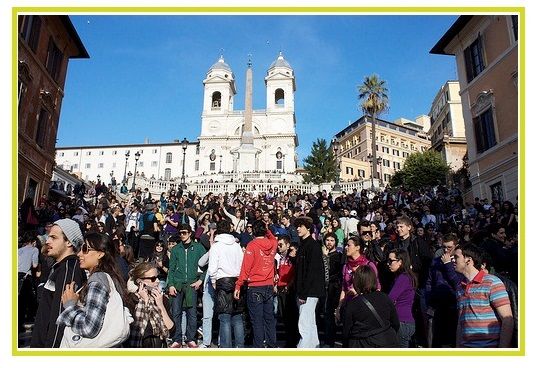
145,313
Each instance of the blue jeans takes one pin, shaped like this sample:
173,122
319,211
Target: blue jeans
226,321
405,332
260,301
307,324
191,318
208,311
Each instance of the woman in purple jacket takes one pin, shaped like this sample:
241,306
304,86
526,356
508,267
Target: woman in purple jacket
403,293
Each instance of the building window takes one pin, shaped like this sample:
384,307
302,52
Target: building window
155,151
114,165
31,27
101,165
88,153
514,26
196,165
349,170
75,153
42,123
385,149
54,60
279,165
484,131
169,158
496,192
197,149
386,177
22,92
279,97
114,153
88,166
212,166
154,163
474,59
75,166
167,174
101,153
386,163
140,164
62,154
216,100
361,173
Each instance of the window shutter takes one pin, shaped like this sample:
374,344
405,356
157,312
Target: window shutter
468,64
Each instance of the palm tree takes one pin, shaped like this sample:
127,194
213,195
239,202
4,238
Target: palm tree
374,101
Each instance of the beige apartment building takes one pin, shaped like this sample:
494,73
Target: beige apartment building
395,141
447,131
486,51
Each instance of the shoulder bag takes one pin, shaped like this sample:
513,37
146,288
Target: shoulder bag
115,328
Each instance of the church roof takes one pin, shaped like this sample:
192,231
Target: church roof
280,62
221,64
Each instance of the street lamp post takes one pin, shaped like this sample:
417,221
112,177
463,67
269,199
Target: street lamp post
97,189
336,146
184,144
127,155
136,158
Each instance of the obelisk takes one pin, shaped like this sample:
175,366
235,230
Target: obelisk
247,153
247,131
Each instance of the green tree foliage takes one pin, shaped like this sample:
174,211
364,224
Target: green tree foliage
320,165
422,169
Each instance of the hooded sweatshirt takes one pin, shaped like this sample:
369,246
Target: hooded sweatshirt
225,257
258,266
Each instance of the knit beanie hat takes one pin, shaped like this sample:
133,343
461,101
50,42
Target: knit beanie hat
72,231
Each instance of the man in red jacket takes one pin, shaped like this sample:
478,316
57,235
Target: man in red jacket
258,271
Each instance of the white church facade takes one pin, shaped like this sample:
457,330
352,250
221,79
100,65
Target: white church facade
233,145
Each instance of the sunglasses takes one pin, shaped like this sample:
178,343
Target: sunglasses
389,261
367,233
152,278
86,248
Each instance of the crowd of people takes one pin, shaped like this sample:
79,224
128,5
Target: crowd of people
391,269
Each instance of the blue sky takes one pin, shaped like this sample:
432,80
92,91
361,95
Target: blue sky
144,76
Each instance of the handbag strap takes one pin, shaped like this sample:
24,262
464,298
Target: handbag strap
373,310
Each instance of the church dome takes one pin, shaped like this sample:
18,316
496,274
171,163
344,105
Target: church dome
221,65
280,62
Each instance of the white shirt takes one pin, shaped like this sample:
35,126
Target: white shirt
225,257
350,226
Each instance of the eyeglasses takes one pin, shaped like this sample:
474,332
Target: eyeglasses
152,278
366,233
389,261
184,232
86,248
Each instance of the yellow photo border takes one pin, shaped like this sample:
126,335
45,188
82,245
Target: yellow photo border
271,11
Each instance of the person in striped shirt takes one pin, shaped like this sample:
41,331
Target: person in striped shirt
485,316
